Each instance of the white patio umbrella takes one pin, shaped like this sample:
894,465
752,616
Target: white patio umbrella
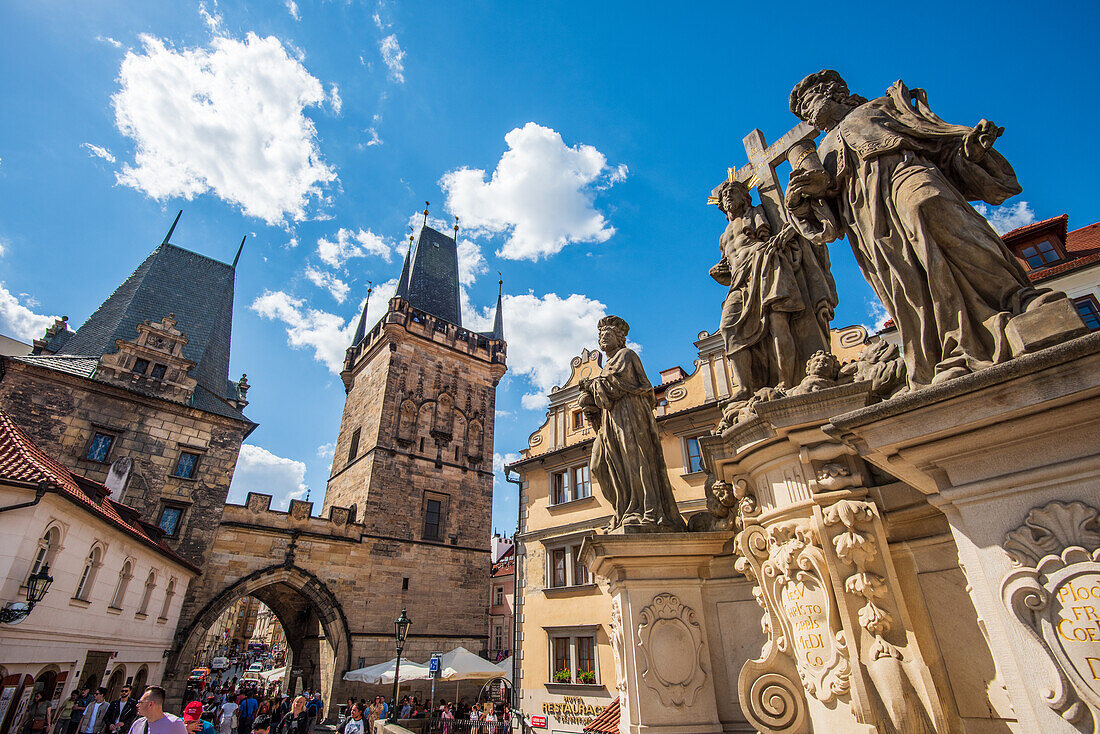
383,672
461,664
274,674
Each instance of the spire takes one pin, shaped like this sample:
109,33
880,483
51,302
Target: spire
238,255
361,329
429,281
498,321
172,229
403,281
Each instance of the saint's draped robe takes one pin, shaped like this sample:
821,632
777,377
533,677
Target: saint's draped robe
626,455
903,187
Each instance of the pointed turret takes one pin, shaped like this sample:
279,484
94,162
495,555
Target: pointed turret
498,320
361,329
172,229
403,281
238,255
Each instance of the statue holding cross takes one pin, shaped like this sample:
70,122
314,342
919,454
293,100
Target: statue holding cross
781,293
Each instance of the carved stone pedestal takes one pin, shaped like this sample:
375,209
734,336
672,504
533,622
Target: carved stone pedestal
843,652
659,633
1011,455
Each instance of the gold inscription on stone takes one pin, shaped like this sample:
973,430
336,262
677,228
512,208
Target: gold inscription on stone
1076,623
572,711
805,604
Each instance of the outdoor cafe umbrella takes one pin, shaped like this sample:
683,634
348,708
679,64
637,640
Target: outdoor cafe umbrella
383,672
461,664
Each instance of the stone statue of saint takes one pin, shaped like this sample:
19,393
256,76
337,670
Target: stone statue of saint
897,180
781,296
626,456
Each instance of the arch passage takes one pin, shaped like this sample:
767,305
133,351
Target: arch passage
315,625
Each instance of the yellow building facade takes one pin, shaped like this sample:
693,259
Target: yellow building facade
566,667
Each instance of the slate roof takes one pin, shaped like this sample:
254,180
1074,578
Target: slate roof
21,460
429,277
197,289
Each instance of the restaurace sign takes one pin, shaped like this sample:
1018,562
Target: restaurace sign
572,711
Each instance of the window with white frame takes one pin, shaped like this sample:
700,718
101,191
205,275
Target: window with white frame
124,577
564,566
573,656
498,637
573,483
87,576
498,596
693,458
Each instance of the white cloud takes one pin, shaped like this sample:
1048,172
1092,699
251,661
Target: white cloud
876,315
544,334
108,39
540,195
348,244
377,18
259,470
393,57
292,8
534,401
226,119
1008,217
18,321
213,21
3,247
291,243
374,139
335,100
328,281
97,151
326,450
471,263
327,334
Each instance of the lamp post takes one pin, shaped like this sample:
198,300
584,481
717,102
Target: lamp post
400,632
37,586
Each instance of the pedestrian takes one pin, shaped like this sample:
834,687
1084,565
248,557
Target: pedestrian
262,725
122,712
193,721
154,719
94,720
81,703
297,720
227,717
64,713
38,714
354,723
246,712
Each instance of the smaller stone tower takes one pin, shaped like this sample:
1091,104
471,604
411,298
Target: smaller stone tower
414,454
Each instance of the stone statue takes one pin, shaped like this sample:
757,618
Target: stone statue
897,181
781,296
626,456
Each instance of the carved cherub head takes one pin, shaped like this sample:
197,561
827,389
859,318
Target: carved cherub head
822,99
823,364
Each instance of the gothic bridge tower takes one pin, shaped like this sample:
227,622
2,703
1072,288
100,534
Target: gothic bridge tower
414,457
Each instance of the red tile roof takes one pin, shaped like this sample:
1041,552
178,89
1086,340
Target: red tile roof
1061,222
21,460
607,722
1085,240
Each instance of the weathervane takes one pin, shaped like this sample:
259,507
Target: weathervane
456,229
426,205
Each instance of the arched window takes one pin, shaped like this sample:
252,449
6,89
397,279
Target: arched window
124,577
168,599
47,549
87,576
150,584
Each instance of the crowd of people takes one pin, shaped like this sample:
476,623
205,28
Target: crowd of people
448,717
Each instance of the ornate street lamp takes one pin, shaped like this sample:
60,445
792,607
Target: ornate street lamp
400,632
37,586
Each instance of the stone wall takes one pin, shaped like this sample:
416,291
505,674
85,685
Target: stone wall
62,412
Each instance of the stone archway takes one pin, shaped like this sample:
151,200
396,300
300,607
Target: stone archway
314,623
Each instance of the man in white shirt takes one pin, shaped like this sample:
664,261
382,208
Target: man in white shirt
355,724
225,723
154,719
95,716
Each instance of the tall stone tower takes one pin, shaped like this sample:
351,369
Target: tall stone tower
414,454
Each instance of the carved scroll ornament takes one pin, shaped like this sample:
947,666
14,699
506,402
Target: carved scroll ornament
1055,592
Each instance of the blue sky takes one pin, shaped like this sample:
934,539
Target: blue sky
576,141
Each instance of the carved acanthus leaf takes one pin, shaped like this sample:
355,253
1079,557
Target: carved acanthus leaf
1050,529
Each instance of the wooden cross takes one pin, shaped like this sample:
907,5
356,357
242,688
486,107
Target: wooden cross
760,170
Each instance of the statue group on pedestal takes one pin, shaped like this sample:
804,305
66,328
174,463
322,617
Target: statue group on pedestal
897,182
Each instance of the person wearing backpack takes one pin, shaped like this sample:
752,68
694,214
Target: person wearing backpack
153,718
